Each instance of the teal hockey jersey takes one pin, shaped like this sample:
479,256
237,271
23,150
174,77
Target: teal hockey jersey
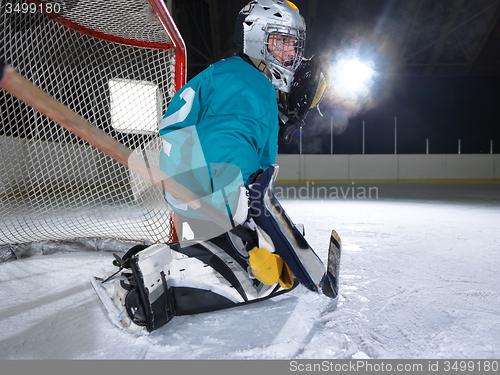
219,129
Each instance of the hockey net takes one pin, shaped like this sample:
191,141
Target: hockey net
115,64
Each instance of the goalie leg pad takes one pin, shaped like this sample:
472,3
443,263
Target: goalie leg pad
211,275
288,241
163,281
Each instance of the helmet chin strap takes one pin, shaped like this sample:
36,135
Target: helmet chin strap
261,66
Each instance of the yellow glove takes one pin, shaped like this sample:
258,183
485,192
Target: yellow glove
269,268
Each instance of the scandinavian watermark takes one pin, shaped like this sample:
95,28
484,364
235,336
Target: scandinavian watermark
310,190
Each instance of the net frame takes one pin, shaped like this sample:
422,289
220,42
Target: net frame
45,193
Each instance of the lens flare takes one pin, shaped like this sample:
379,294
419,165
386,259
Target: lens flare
352,77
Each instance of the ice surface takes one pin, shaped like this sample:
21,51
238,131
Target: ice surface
419,279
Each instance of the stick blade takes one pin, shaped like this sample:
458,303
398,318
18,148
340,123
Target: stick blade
331,283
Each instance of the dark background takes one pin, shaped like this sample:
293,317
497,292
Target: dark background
438,65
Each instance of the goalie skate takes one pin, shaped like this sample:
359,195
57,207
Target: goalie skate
112,296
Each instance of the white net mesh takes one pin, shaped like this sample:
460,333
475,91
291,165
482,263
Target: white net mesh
54,186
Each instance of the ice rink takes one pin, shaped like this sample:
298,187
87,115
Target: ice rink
419,279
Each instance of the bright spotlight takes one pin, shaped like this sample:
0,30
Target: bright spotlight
354,74
351,77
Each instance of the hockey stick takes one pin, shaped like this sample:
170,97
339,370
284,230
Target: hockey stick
18,86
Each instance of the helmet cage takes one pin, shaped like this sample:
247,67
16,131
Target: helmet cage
280,41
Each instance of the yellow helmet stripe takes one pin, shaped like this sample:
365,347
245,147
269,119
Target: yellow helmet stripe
292,5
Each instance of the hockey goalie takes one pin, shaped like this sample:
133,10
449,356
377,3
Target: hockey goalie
220,140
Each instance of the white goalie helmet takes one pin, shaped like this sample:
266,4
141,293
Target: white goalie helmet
273,31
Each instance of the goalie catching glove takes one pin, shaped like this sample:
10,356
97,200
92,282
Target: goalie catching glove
308,88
